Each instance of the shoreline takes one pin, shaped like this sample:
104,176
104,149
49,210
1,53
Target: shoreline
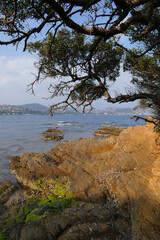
21,134
87,178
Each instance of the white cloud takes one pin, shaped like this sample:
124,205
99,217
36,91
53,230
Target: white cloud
14,69
15,75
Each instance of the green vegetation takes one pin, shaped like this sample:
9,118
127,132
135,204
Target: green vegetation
12,216
33,210
37,208
2,189
40,208
157,128
34,217
59,188
40,183
2,236
60,199
62,190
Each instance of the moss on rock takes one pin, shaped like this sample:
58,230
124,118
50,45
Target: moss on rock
58,187
43,207
2,236
36,208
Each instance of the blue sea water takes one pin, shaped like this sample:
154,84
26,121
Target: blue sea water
21,133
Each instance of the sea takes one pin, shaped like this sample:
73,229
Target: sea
21,133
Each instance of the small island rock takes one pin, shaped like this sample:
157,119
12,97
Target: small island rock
52,134
108,131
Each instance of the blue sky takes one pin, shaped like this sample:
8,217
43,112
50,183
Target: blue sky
16,71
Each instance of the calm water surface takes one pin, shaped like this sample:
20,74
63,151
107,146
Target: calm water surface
20,134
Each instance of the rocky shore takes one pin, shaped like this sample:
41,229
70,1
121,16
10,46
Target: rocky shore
86,189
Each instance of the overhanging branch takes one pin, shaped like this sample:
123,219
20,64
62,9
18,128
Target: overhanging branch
127,98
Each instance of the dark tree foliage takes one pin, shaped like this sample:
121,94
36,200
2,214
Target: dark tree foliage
146,77
82,79
105,23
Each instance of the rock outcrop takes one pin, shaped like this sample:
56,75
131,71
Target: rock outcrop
123,170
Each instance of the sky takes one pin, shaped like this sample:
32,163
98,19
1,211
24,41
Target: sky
17,72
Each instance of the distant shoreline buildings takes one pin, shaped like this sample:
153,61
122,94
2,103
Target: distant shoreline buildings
18,110
30,109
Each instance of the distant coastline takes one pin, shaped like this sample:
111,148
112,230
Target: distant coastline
27,109
34,108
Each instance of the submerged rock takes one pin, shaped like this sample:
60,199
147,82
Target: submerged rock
52,134
122,170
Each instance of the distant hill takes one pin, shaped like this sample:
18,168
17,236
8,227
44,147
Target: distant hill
26,109
35,107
